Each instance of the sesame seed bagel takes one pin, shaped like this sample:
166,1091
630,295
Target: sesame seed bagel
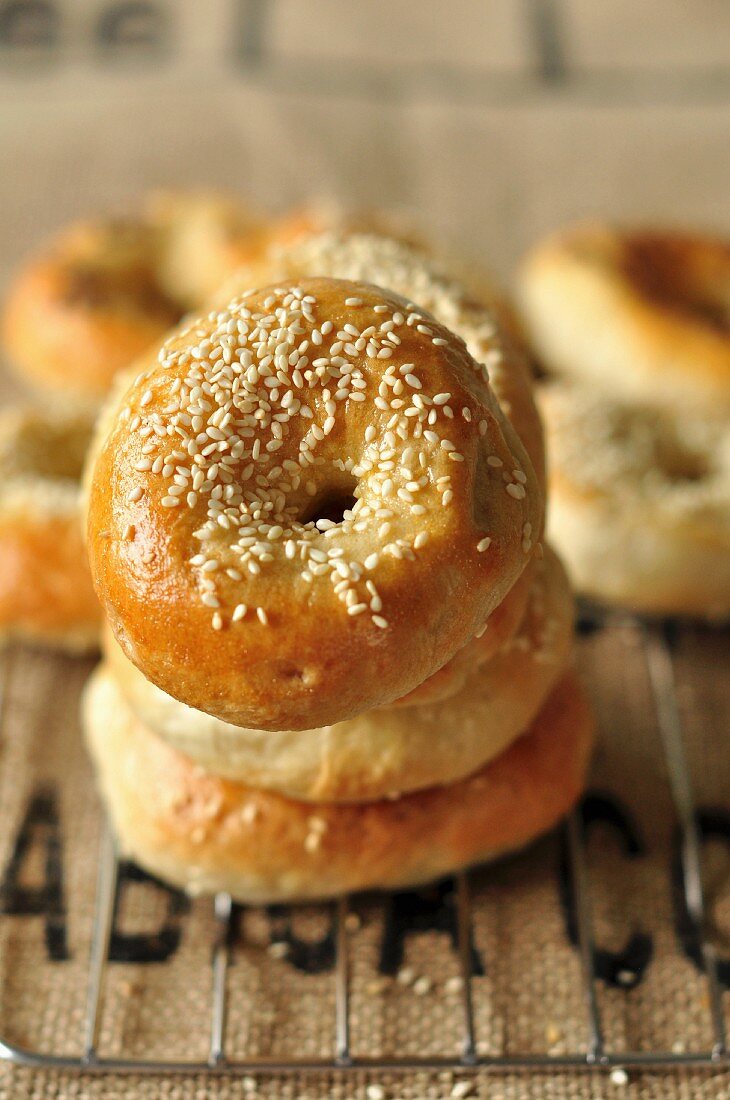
640,502
389,750
206,834
46,595
296,496
105,289
474,311
643,314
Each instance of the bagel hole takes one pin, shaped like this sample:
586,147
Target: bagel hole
661,269
46,447
331,505
679,464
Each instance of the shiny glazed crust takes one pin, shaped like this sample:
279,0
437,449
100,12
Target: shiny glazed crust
105,289
46,595
307,624
207,835
498,631
642,314
640,502
470,308
389,750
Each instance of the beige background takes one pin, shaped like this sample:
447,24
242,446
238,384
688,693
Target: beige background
496,120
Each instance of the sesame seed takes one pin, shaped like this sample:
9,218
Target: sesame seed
484,544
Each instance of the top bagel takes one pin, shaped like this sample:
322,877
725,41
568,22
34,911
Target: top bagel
473,310
306,504
644,314
107,288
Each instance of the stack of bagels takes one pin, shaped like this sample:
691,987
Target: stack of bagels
634,330
337,653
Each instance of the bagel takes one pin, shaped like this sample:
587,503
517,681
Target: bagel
497,632
642,314
640,502
46,595
206,834
108,288
489,330
283,519
390,750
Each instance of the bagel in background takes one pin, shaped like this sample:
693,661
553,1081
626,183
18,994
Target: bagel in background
206,834
105,289
46,595
642,314
639,502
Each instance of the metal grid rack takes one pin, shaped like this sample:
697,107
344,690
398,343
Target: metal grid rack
596,1054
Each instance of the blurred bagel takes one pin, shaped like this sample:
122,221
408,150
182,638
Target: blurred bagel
640,502
87,304
46,595
642,314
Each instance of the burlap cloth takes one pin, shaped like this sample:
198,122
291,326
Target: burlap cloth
527,1000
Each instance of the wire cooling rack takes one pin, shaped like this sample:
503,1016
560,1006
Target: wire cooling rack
595,1052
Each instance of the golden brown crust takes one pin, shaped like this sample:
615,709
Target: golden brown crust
447,509
208,834
473,716
46,595
644,314
640,502
105,289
